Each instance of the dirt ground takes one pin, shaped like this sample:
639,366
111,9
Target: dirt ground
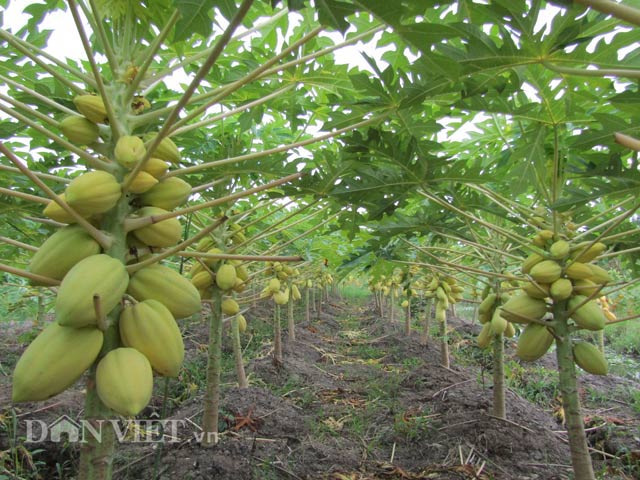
355,400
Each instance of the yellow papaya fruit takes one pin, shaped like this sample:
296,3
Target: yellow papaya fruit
212,262
226,277
485,335
55,212
155,167
166,150
487,304
309,283
129,150
581,253
242,273
164,233
546,234
539,291
498,322
280,297
239,286
295,294
93,192
53,361
589,358
598,275
585,287
230,306
150,328
99,275
441,313
164,284
559,249
142,182
242,323
522,309
92,107
561,289
510,331
124,381
168,194
533,343
589,315
61,251
274,285
202,280
79,130
547,271
577,271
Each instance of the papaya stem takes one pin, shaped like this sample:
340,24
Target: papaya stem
32,276
16,243
24,196
237,353
210,416
45,176
618,10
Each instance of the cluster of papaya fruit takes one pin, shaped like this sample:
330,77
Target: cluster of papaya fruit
93,283
277,287
446,291
559,272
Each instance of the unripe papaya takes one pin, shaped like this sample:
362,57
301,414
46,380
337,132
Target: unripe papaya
168,287
212,262
79,130
404,304
485,335
202,280
589,315
441,313
124,381
547,271
522,309
53,361
589,358
99,275
92,107
295,294
150,328
164,233
598,274
280,297
239,286
274,285
168,194
242,273
142,182
155,167
129,150
560,249
585,256
577,271
487,304
561,289
93,192
585,287
226,277
61,251
510,331
498,323
539,291
56,212
242,323
230,306
546,234
533,342
166,150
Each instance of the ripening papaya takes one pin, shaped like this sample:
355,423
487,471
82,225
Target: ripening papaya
547,271
522,309
589,315
230,306
79,130
533,343
226,277
92,107
164,233
93,192
167,194
129,150
589,358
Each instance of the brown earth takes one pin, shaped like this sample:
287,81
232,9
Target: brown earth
355,400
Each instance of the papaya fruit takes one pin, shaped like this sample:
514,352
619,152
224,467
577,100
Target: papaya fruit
589,358
164,284
498,322
561,289
539,291
559,249
242,273
599,275
242,323
230,306
533,343
79,130
441,313
164,233
92,107
522,309
166,150
280,297
485,335
202,280
53,361
142,182
150,328
124,381
274,285
93,192
129,150
99,275
547,271
61,251
585,287
295,294
487,304
577,271
510,331
589,315
55,212
168,194
226,277
581,253
155,167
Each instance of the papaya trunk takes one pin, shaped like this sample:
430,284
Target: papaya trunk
580,458
290,323
407,320
426,322
474,318
212,393
277,338
307,307
392,302
237,353
601,341
444,343
499,407
313,298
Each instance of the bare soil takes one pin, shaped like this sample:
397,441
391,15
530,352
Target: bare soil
355,400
